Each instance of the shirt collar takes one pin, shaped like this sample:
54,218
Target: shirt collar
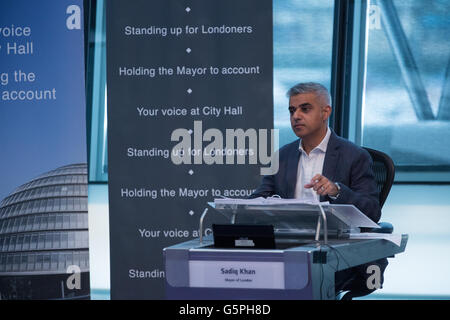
322,145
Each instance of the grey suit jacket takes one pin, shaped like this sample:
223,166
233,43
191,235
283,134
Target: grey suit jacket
345,162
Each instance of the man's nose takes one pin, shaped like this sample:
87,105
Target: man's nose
297,115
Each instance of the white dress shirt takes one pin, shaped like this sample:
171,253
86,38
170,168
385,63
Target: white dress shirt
309,166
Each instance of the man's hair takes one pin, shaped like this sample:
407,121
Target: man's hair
310,87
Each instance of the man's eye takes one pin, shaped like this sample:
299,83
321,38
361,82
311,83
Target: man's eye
305,109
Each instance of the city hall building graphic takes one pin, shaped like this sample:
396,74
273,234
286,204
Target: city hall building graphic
44,237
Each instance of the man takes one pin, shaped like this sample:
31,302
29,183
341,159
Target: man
322,166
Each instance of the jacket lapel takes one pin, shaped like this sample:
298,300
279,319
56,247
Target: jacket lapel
292,168
331,159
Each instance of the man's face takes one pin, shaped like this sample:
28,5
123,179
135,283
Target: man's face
308,114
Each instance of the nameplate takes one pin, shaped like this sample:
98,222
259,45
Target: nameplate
236,274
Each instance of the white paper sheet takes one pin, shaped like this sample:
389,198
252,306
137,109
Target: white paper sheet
394,238
266,201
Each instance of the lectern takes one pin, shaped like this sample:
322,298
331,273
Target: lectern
313,242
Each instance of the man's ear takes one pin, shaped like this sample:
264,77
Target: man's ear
326,112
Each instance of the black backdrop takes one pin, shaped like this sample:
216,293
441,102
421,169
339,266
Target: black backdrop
153,202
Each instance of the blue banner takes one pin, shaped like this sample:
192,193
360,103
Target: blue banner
43,184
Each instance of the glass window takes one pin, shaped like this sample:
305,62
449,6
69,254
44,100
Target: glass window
4,212
26,208
38,193
64,240
35,206
15,211
61,261
56,240
77,204
85,237
43,192
76,190
16,197
50,204
64,190
82,261
57,204
31,261
11,199
51,221
3,226
43,181
19,242
51,191
29,223
407,111
12,242
34,241
84,190
42,205
26,242
36,223
3,244
48,240
23,195
69,259
66,221
81,221
63,204
76,258
56,191
46,261
72,240
44,222
21,208
16,225
54,262
2,262
11,211
39,260
85,220
29,207
10,224
5,202
22,223
16,262
84,204
23,262
54,180
32,193
302,46
70,204
59,221
41,241
9,262
73,221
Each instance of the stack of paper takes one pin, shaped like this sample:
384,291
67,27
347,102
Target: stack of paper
266,201
394,238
